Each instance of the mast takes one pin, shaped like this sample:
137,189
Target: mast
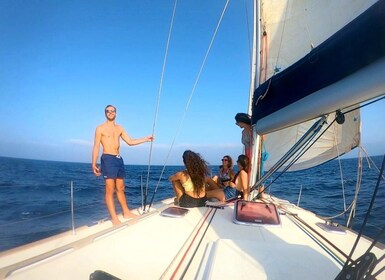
254,83
255,60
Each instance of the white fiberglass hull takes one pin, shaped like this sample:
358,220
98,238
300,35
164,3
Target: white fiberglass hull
204,244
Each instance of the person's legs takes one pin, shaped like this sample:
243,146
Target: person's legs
109,197
230,193
261,191
215,179
178,189
211,184
217,193
122,198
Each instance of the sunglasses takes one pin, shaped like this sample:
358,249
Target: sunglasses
224,159
110,111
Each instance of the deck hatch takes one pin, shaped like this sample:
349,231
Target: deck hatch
256,213
174,212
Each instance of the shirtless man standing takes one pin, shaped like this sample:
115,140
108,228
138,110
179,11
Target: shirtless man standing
112,167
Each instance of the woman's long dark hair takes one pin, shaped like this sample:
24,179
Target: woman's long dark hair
196,168
244,161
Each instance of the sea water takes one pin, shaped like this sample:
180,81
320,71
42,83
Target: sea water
35,195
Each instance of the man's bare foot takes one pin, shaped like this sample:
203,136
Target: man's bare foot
116,222
129,215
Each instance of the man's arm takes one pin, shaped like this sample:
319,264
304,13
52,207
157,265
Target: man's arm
95,151
133,142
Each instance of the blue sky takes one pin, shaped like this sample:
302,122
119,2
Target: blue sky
62,62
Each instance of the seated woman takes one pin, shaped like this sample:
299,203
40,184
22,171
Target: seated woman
239,186
226,173
189,185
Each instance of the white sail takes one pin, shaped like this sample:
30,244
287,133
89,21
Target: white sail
291,30
337,140
269,238
295,27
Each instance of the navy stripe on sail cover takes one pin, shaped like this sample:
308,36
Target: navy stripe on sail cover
358,44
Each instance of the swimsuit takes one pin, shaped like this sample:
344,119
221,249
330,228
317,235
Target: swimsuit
231,192
224,176
188,201
188,185
112,166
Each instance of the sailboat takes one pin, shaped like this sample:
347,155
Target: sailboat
309,76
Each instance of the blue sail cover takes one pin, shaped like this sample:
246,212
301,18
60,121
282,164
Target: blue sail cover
359,44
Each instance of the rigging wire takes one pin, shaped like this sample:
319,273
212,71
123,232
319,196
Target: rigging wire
366,104
158,101
367,216
189,99
296,158
357,190
26,220
281,38
349,258
370,161
340,168
248,35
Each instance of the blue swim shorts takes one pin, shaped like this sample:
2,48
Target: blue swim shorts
112,166
231,192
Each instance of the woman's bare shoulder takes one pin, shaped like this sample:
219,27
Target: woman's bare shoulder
181,173
243,173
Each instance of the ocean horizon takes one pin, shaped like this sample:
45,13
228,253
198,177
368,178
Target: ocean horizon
35,195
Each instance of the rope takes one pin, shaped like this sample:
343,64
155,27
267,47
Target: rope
367,215
338,215
340,167
357,190
190,97
370,161
158,101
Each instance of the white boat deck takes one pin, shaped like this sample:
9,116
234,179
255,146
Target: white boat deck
204,244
